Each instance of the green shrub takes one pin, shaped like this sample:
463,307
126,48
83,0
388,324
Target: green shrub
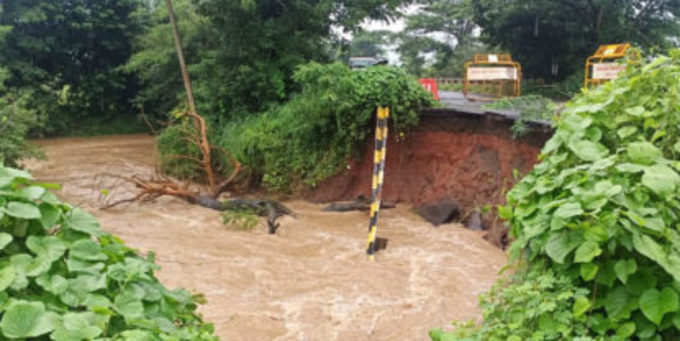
603,206
61,277
560,91
172,143
244,220
530,108
538,306
313,135
16,120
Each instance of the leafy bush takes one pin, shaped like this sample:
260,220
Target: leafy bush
312,136
536,306
171,143
61,276
245,220
16,120
560,91
603,206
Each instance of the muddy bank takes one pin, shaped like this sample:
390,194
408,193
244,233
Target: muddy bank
310,282
469,158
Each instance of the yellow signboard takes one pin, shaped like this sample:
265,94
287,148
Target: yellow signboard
496,70
601,66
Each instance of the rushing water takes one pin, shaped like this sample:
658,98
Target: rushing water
311,281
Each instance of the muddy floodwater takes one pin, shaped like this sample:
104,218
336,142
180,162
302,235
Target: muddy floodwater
311,281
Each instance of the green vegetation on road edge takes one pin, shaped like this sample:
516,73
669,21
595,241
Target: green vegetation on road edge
596,224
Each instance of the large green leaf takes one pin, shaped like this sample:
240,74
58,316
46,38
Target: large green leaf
50,247
79,266
87,283
568,210
49,215
6,277
24,319
32,192
87,250
76,327
655,304
661,179
39,266
561,244
5,239
82,221
54,284
626,330
588,271
643,153
650,248
588,150
625,268
619,304
22,210
586,252
8,175
581,305
129,306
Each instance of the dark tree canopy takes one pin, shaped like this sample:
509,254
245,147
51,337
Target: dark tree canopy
543,33
245,51
70,47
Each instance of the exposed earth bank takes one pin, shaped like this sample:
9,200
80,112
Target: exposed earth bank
471,159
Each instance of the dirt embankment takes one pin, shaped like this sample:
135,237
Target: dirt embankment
468,158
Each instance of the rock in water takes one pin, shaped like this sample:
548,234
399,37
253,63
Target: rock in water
442,212
474,221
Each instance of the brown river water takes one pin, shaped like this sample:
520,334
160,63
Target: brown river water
311,281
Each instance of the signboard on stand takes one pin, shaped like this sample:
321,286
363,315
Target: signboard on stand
497,72
603,65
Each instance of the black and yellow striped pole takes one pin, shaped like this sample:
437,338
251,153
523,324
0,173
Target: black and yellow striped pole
378,176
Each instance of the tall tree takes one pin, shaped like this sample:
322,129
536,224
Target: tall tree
548,35
260,43
443,28
155,61
241,54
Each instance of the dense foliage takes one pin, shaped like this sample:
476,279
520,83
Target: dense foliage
68,54
15,122
546,33
154,62
243,54
537,306
603,208
61,276
313,135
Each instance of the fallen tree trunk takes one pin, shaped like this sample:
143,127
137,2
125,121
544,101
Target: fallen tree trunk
271,209
360,204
